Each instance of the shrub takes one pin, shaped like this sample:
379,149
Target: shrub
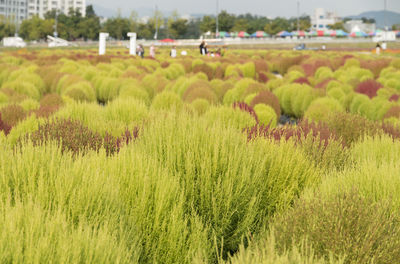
24,88
249,70
320,109
167,101
200,90
204,68
4,127
267,98
229,117
29,104
134,91
51,100
73,136
246,108
394,111
369,88
347,224
350,127
239,191
200,106
81,92
265,251
12,114
266,115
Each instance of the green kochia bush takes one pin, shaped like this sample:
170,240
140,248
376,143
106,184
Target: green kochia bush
266,115
230,190
167,101
229,117
347,224
295,98
320,109
266,252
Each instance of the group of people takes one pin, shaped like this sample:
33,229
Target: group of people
173,53
140,51
380,47
205,52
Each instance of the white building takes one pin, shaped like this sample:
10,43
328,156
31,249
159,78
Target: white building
322,19
13,10
18,10
41,7
358,25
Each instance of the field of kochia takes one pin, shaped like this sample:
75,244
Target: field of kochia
256,157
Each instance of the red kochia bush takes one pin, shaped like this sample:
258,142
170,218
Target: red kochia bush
262,77
268,98
12,114
302,80
4,127
394,111
394,98
75,137
246,108
369,88
318,131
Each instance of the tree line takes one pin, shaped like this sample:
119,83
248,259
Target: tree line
73,26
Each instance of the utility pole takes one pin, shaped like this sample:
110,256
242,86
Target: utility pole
56,24
385,8
216,20
156,18
298,16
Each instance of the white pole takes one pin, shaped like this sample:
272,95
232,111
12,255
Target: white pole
102,43
217,20
132,43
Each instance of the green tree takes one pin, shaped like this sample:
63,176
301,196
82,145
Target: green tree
207,24
337,26
177,27
226,21
117,27
7,28
277,25
241,24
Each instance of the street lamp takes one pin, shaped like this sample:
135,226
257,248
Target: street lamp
216,21
298,16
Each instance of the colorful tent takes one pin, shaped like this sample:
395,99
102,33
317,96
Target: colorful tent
299,33
398,34
322,33
234,34
358,34
167,40
284,34
259,34
223,34
339,33
312,33
243,34
372,34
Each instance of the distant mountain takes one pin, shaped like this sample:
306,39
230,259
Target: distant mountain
381,17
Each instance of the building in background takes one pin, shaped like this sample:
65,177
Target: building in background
321,19
41,7
14,11
359,25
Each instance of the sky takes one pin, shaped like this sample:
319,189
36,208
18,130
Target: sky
270,8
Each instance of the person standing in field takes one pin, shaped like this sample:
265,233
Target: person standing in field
173,52
140,51
378,49
202,44
152,51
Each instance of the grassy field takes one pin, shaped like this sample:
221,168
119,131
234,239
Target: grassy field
260,156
